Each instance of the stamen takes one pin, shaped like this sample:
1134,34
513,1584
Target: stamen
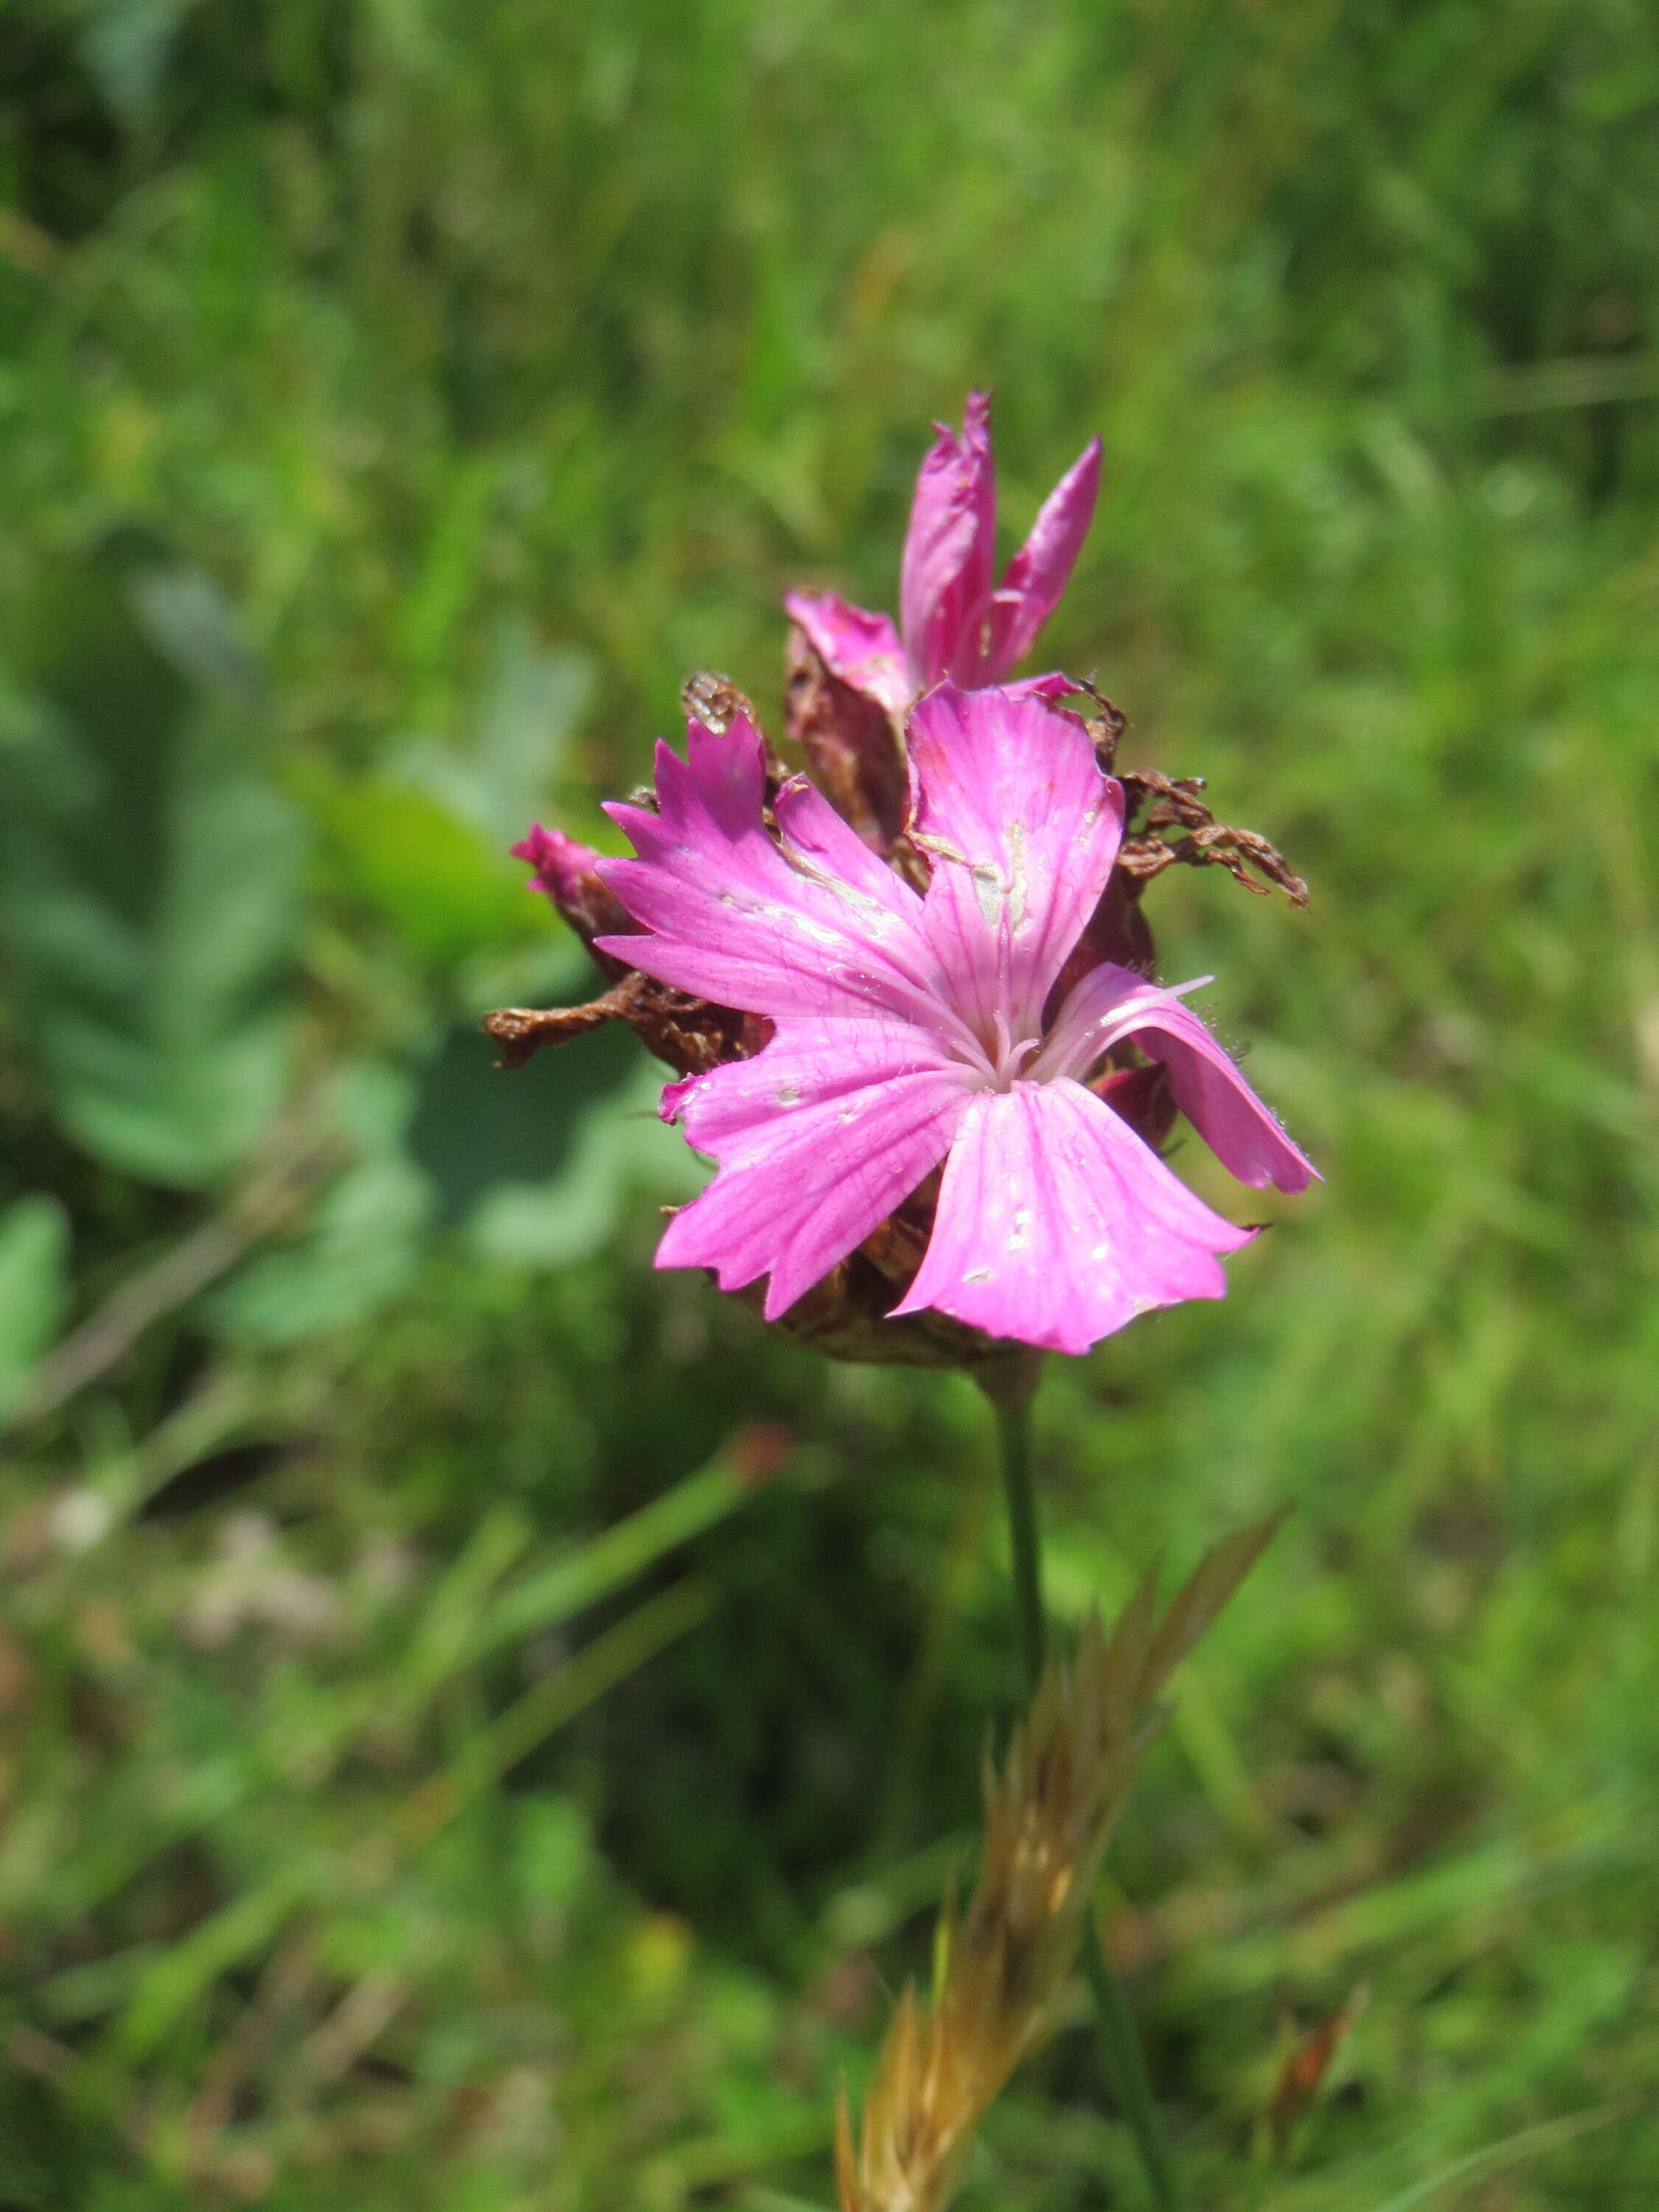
1007,1058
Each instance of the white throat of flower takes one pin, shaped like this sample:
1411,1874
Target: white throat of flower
1072,1046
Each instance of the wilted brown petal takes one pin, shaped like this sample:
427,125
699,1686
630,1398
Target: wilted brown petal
854,752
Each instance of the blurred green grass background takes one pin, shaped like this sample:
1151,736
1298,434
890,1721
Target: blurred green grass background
481,1726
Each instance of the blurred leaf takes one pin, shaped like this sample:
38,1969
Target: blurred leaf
549,1595
366,1233
35,1289
477,1127
553,1842
186,619
150,901
1513,2150
503,778
426,840
127,44
622,1151
433,875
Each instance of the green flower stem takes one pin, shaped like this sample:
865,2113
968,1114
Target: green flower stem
1013,1419
1126,2066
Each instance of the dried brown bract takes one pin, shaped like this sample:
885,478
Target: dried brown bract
855,755
715,701
1173,803
691,1035
1004,1961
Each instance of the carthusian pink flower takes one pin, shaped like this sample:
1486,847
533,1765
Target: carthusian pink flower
957,622
917,1030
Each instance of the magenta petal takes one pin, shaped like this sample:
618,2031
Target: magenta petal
1210,1089
1056,1224
818,1138
1112,1003
1022,827
826,848
863,649
559,862
950,551
1036,577
732,921
1053,685
738,1112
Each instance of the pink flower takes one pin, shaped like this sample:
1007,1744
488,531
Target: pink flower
958,623
915,1030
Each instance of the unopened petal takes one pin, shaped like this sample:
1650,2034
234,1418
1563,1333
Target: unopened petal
1050,685
950,551
1056,1225
569,872
559,862
1036,579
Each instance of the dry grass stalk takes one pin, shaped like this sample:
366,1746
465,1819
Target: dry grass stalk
1004,1962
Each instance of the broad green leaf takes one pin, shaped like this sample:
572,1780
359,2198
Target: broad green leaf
150,902
621,1155
433,875
426,840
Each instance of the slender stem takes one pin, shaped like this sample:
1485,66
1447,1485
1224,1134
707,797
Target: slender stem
1126,2066
1014,1418
1119,2046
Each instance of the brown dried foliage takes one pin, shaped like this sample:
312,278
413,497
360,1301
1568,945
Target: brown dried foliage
1005,1959
1302,2076
1172,803
692,1035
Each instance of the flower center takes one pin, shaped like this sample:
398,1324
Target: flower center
1005,1055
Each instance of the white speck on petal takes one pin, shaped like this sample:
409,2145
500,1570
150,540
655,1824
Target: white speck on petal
977,1275
990,889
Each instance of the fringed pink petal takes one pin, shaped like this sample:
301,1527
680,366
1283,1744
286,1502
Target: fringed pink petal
950,551
1022,828
1056,1224
736,1112
732,921
1111,1003
818,1138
